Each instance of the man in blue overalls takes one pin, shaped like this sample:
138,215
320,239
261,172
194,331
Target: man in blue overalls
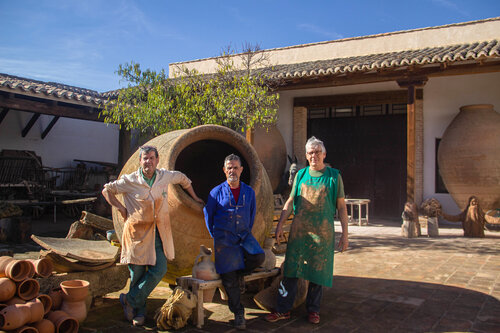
229,216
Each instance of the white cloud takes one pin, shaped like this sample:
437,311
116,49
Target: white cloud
451,5
312,28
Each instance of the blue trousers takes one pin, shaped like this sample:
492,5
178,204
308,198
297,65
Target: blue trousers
287,290
231,281
145,278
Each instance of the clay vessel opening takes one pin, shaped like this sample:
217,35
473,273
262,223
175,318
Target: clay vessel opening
202,162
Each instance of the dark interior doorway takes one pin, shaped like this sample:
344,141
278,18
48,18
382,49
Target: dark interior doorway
370,152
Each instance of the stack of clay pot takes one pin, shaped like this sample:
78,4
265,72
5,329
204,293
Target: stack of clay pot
22,307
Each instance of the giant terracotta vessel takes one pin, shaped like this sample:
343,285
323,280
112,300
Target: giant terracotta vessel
271,149
199,153
469,156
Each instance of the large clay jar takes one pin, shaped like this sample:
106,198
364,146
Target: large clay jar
271,149
43,267
469,156
17,315
7,289
204,269
74,293
45,326
28,289
63,322
16,270
199,153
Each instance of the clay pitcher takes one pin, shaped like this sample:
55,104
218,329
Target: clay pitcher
63,322
7,289
469,156
204,269
74,293
199,153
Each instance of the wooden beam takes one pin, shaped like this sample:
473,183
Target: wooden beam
380,97
30,124
410,145
49,127
3,114
40,106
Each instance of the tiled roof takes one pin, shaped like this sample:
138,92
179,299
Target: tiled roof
392,60
52,89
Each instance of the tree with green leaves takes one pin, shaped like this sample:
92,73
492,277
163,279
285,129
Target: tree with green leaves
234,96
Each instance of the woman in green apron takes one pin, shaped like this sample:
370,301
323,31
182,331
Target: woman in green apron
317,193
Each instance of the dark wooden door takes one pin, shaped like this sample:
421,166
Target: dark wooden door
370,153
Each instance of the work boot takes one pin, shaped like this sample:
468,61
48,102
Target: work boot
239,321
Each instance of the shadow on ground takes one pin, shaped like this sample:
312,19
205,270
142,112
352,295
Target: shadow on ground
352,305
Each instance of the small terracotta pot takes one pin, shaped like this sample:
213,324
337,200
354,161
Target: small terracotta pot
28,289
45,326
18,315
74,290
26,329
15,300
63,322
56,296
16,270
43,267
7,289
77,310
46,301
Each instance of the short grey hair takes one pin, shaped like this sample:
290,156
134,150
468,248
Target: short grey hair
146,150
314,142
232,157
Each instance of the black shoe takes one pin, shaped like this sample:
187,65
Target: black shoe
243,288
239,322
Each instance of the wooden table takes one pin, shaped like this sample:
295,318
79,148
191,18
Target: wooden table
360,203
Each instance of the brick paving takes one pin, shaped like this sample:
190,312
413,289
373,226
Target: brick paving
383,283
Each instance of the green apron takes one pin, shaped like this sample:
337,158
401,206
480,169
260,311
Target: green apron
311,243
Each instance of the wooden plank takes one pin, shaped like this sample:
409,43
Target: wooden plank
379,97
49,127
79,249
30,124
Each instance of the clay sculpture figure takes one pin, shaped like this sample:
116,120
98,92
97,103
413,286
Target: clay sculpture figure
472,218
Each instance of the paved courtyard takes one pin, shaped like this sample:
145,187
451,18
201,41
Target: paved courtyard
383,283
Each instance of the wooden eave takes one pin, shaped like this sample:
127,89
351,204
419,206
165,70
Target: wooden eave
48,105
478,66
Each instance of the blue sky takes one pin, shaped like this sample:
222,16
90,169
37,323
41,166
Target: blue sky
82,42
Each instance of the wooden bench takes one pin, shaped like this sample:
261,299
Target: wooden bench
198,286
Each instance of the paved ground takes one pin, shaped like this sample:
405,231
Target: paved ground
383,283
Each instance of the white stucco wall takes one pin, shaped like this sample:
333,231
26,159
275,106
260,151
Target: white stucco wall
442,99
69,139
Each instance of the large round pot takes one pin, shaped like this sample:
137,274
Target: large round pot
199,153
271,149
469,156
